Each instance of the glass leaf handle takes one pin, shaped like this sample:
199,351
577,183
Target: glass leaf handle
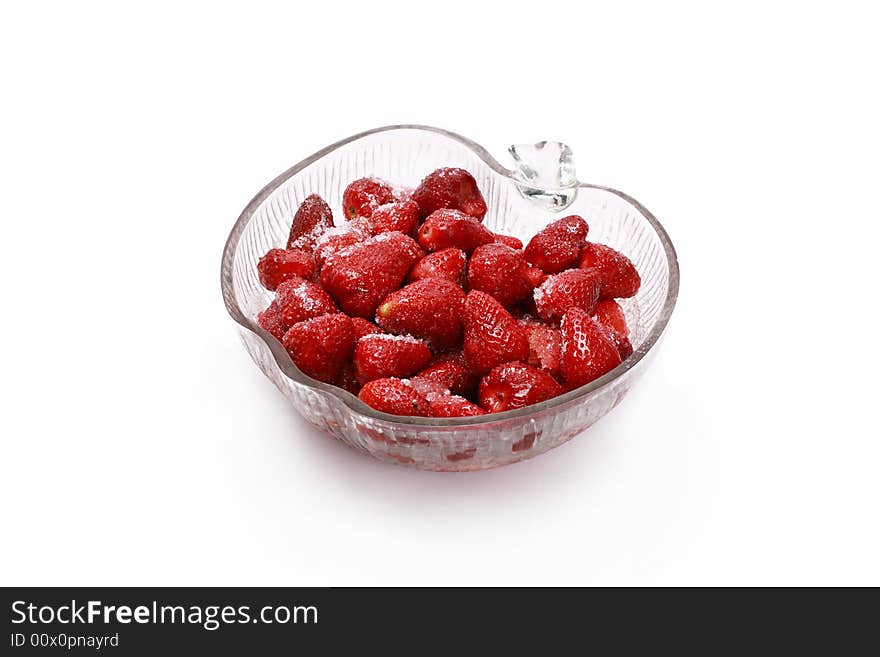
544,173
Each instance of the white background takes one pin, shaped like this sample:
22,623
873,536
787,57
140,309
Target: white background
141,445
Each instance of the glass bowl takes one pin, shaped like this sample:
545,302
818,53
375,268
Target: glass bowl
541,188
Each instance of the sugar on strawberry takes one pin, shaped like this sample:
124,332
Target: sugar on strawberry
299,299
450,188
270,320
450,264
403,217
312,219
447,228
450,370
453,406
514,385
394,396
558,246
364,195
337,239
382,355
361,275
545,345
573,288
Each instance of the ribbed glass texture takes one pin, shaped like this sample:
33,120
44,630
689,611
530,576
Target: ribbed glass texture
404,154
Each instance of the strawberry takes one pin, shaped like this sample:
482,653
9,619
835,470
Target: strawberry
509,240
611,318
545,344
498,270
451,371
363,327
361,275
402,217
447,263
558,246
381,356
619,276
364,195
491,334
446,228
299,299
587,351
574,288
280,264
513,385
270,320
393,396
337,239
450,188
429,309
321,346
453,406
312,218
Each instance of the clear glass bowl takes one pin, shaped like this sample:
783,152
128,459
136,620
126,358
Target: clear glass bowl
521,201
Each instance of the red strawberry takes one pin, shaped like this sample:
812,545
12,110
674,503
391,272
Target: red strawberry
587,352
619,276
312,218
448,263
362,327
450,188
611,318
360,276
299,299
280,264
321,346
393,396
402,217
446,228
337,239
364,195
509,240
451,371
545,345
514,385
453,406
491,334
381,356
270,320
559,245
574,288
498,270
429,309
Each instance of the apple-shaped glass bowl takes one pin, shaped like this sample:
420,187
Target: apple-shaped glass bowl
541,188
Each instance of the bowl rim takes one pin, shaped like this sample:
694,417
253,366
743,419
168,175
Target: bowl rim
286,365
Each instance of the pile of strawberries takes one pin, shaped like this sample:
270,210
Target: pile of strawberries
419,309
